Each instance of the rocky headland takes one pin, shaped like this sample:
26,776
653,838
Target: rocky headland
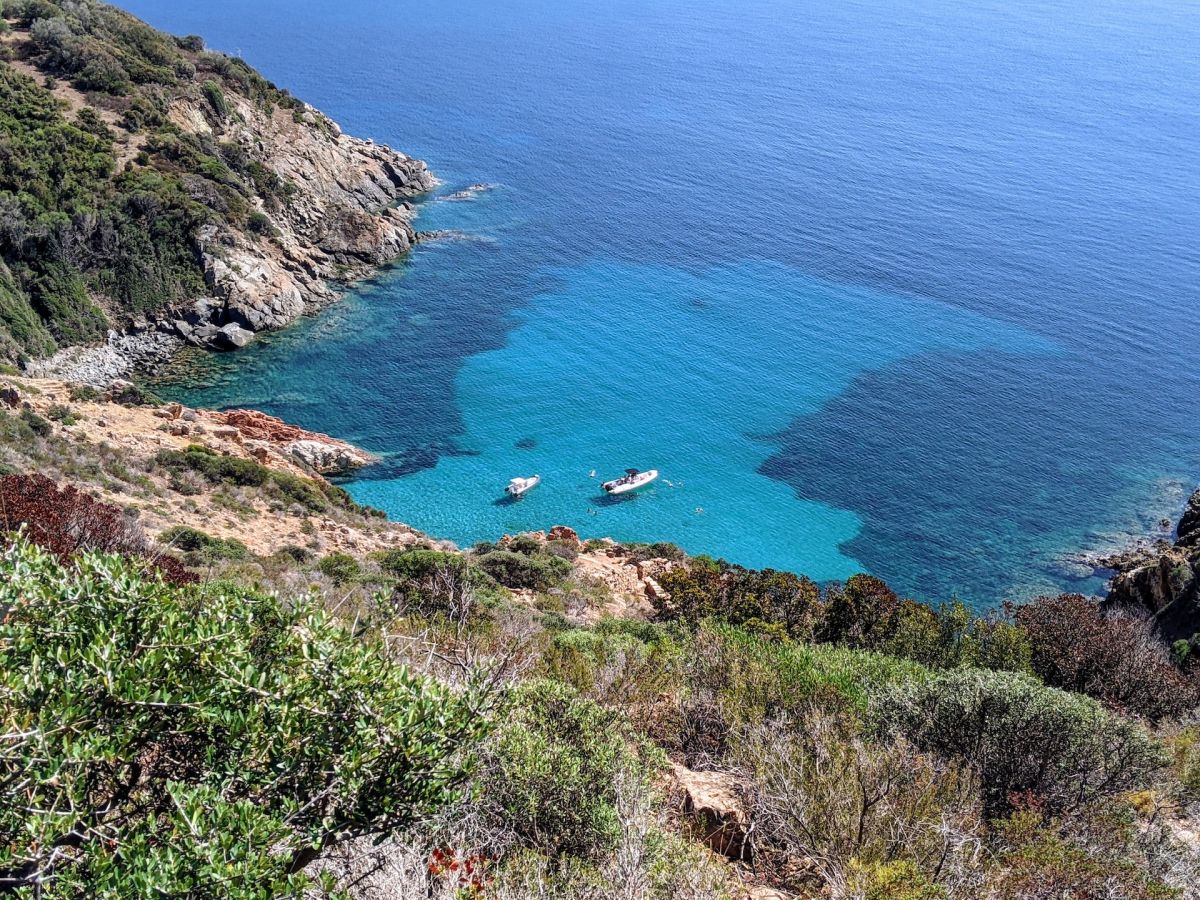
340,224
226,207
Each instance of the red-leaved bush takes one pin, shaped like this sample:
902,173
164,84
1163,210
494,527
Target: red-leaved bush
1112,655
66,521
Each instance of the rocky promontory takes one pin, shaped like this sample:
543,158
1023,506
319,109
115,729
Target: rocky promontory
222,205
1165,581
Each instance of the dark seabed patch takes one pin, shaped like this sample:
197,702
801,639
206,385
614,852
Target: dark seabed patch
969,479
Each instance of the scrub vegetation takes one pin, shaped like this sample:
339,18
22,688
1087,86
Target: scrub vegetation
428,722
101,206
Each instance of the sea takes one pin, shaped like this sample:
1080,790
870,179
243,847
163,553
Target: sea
909,287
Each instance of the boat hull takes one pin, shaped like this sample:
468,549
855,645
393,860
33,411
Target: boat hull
621,486
515,489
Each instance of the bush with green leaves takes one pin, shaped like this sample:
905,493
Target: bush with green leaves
737,679
1097,852
524,571
200,549
161,741
341,567
618,662
313,494
704,588
950,636
551,771
1022,737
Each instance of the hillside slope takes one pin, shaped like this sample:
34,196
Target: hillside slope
148,184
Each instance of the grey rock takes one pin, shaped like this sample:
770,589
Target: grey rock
234,336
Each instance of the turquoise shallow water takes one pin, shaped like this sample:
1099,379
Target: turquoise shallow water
908,287
690,374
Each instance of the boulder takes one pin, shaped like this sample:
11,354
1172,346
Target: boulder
718,815
322,457
234,336
1167,585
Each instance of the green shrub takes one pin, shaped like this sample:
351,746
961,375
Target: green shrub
36,423
737,679
214,467
950,637
203,549
260,223
617,662
60,297
1092,854
295,489
416,564
85,393
216,98
708,589
59,413
241,734
516,570
1185,748
1022,736
859,613
550,775
341,567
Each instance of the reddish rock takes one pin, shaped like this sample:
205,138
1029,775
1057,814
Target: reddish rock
320,452
564,534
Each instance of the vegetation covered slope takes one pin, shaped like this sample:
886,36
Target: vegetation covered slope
323,713
131,162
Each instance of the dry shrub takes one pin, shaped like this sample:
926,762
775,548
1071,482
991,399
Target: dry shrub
1115,656
822,793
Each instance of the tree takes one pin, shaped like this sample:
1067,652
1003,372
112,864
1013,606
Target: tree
159,740
860,613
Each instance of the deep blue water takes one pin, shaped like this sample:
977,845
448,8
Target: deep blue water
908,287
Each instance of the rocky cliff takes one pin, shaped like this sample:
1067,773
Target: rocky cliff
1166,580
205,204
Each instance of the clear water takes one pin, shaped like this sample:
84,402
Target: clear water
906,287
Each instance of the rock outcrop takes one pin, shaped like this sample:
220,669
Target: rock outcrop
337,224
718,815
314,451
1166,582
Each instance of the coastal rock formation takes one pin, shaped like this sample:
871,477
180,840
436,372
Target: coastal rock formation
1166,582
273,206
318,452
337,224
117,426
1188,531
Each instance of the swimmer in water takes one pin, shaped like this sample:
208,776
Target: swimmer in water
699,510
592,474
